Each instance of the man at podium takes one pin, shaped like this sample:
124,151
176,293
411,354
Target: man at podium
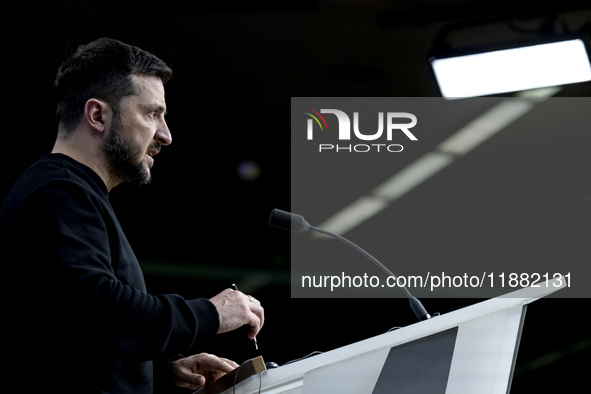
81,319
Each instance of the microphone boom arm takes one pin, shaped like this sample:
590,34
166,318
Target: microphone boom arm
360,250
297,224
415,304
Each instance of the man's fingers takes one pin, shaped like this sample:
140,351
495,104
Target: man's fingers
254,330
233,364
236,309
195,371
221,364
257,318
187,379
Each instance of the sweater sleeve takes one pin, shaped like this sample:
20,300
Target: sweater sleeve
74,251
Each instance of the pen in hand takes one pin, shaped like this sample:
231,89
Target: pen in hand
256,345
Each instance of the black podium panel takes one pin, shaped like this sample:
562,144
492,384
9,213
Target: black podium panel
421,366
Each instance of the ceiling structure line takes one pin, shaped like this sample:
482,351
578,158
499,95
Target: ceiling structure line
427,166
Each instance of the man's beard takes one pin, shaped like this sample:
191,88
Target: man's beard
121,157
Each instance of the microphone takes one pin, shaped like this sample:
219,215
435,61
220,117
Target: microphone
297,224
288,221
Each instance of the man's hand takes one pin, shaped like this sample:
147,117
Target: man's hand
237,309
194,371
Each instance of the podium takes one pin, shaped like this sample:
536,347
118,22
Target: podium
471,350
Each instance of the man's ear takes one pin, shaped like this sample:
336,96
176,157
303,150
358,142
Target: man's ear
97,114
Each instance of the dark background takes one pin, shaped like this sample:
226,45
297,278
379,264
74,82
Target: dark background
200,226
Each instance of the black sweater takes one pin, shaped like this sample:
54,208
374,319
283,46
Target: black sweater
79,315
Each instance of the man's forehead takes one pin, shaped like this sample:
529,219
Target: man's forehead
149,91
148,84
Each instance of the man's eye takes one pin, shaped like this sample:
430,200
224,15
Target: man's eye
153,113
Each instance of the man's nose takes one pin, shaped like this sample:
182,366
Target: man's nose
163,135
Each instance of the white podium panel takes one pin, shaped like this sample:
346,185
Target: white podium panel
471,350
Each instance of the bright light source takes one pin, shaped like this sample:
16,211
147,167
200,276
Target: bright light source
512,70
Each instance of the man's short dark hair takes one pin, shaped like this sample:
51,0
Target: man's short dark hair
101,69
